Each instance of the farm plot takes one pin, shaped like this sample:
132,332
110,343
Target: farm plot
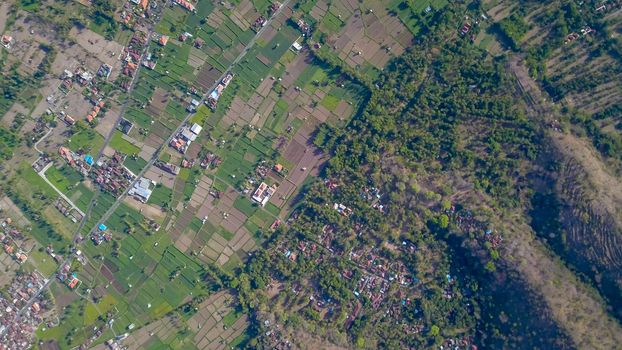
366,39
121,144
213,328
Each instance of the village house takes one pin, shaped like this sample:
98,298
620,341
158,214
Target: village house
7,41
187,134
263,193
141,189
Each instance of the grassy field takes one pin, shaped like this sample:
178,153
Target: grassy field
81,196
135,165
330,102
64,178
87,140
201,115
43,262
35,181
161,195
120,144
244,205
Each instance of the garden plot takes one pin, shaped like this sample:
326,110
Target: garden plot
360,38
152,335
201,192
160,176
217,323
159,101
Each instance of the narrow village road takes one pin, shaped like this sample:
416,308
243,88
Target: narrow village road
155,156
61,194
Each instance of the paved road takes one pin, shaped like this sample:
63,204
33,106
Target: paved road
41,139
119,200
129,92
93,201
42,174
155,156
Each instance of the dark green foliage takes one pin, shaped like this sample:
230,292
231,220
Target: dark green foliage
103,16
8,141
513,29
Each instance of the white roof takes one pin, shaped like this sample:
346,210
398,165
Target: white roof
196,128
143,182
188,135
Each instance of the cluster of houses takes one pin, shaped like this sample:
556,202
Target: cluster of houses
304,27
274,336
82,164
184,137
8,240
111,175
212,99
136,9
374,288
608,5
392,271
306,248
373,195
17,332
459,343
210,161
342,209
574,36
131,56
95,112
12,250
84,77
263,169
100,235
193,105
68,277
259,22
143,4
325,238
466,222
57,257
24,287
374,274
